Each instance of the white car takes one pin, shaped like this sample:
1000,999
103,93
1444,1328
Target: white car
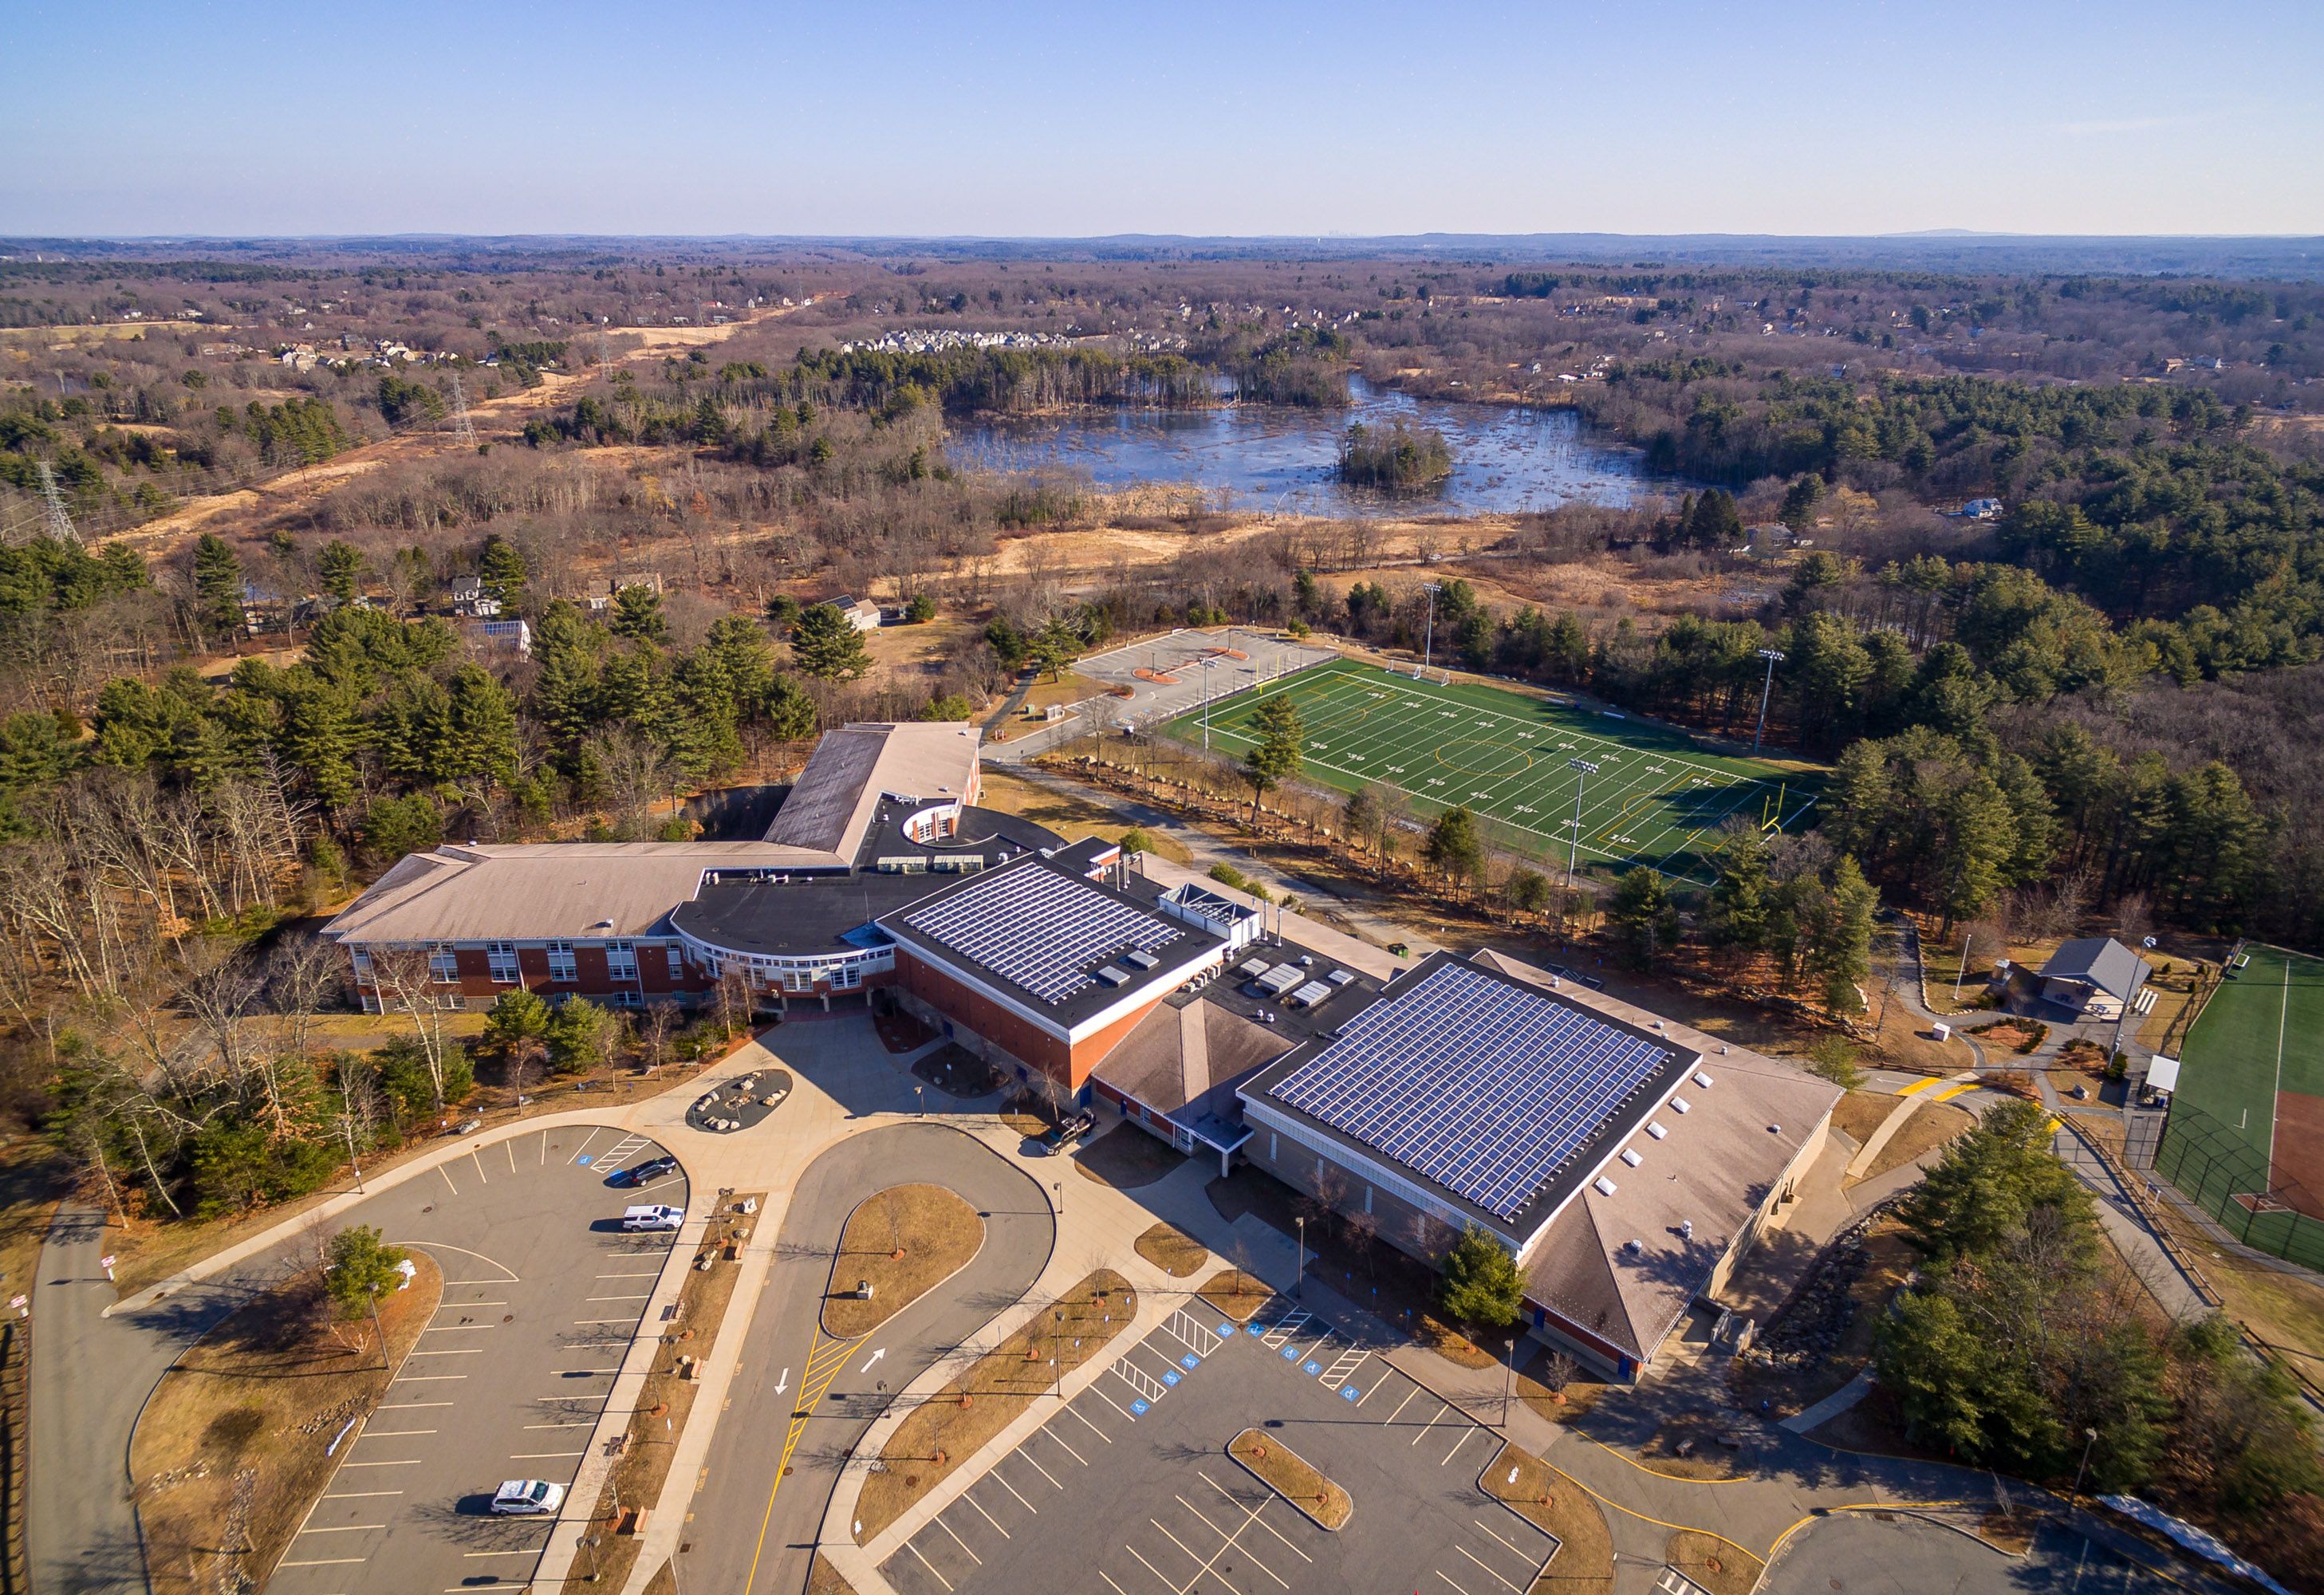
652,1216
528,1497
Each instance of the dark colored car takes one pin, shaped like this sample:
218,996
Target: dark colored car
1067,1133
643,1174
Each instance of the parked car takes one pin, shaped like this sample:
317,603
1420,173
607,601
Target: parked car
528,1497
1065,1134
643,1174
652,1216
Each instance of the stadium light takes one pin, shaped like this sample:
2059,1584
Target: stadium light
1428,636
1586,768
1773,656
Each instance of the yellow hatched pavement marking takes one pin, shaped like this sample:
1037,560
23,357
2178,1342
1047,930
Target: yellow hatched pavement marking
1918,1086
826,1359
1951,1091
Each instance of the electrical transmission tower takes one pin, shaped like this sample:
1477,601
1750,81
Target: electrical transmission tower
60,524
464,430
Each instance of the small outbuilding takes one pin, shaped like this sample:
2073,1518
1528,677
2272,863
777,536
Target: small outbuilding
2094,977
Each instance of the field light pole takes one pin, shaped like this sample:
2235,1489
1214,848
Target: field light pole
1773,656
1428,633
1573,842
1206,703
1299,1275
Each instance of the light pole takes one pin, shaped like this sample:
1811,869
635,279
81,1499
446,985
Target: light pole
1961,974
2090,1438
1585,768
1428,633
1773,656
1509,1386
1299,1275
1057,1188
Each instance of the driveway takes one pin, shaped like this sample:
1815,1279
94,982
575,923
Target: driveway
799,1401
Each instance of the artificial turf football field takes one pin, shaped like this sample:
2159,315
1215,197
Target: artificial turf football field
2253,1062
1657,798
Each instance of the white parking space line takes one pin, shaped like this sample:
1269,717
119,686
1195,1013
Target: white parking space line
528,1550
1442,1409
988,1516
574,1426
1401,1405
457,1328
456,1351
326,1562
649,1273
1489,1573
643,1295
1111,1402
1457,1444
343,1528
361,1495
406,1463
929,1565
1447,1578
1069,1450
1027,1456
405,1406
1262,1522
1092,1428
1157,1572
479,1162
391,1434
1490,1535
448,1179
999,1479
427,1378
963,1544
541,1456
1117,1589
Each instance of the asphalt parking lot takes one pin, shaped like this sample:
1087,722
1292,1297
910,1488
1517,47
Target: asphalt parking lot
543,1293
1131,1481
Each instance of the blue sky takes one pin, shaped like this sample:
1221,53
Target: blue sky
1784,116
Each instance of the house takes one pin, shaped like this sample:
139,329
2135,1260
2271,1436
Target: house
1771,539
861,612
1981,508
469,597
2094,977
501,637
598,595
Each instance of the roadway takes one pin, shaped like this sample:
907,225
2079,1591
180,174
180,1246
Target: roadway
752,1530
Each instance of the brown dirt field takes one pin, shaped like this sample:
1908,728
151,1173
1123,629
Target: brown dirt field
2299,1148
1126,1157
1719,1565
1860,1112
1173,1251
1236,1294
936,1231
1072,817
1294,1478
266,1390
1900,1047
1931,1126
1553,1503
643,1465
944,1430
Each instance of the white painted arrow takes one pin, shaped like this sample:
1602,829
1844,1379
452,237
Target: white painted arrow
783,1383
875,1357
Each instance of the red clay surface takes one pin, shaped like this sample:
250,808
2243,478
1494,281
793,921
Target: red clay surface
2298,1176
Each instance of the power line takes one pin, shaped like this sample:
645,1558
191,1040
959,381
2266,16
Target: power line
464,430
57,521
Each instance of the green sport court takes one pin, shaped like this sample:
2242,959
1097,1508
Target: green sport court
1658,798
2252,1068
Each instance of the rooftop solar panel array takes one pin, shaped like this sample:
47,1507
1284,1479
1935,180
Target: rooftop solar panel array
1484,1089
1040,930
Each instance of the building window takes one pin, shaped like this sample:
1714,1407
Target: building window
847,976
676,963
502,956
362,963
560,962
622,960
628,1000
1274,1147
443,964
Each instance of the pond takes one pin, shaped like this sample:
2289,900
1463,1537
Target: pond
1279,457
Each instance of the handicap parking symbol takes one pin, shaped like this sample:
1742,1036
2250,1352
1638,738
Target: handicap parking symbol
1349,1392
1190,1361
1289,1355
585,1160
1225,1330
1312,1368
1137,1405
1169,1376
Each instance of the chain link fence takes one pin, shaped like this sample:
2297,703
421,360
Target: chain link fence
2225,1176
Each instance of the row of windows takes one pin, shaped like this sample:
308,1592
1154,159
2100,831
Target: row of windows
501,962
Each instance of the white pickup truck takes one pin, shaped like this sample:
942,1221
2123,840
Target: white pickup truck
652,1216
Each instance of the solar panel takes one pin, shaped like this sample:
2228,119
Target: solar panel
1482,1088
1038,930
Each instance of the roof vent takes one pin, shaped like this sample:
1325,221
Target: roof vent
1631,1156
1603,1185
1553,983
1681,1105
1722,1049
1655,1129
1634,1245
1686,1229
1702,1080
1113,976
1774,1130
1659,1025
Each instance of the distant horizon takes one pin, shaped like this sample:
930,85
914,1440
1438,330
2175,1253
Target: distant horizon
1336,235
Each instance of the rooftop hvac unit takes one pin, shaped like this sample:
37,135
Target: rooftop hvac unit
1603,1185
1681,1105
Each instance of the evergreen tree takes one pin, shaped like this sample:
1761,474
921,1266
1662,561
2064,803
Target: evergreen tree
502,569
825,644
790,715
1482,1283
1280,753
341,567
1453,848
581,1036
217,584
1643,918
637,615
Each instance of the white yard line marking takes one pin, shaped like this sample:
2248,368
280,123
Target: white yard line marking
931,1566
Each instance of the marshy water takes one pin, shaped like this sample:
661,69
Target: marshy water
1271,456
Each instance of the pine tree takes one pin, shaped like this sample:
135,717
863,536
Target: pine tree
1280,751
1454,849
1643,917
502,569
217,584
341,567
825,644
1482,1283
637,615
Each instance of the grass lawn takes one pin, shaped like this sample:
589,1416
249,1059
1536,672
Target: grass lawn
1860,1112
1236,1294
1127,1157
1173,1251
1932,1125
935,1231
1293,1477
956,1423
1071,817
1719,1565
648,1447
1659,797
1555,1504
265,1393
